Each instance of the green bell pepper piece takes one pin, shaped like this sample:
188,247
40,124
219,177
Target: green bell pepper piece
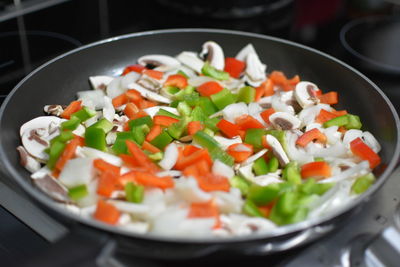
299,215
78,192
138,134
55,152
246,94
273,164
211,123
251,209
162,140
319,159
240,183
207,106
208,131
156,156
96,138
187,91
212,72
254,137
84,114
103,124
362,183
198,114
64,137
178,128
174,104
222,99
70,124
192,99
146,120
164,112
184,109
291,173
119,146
205,140
134,193
262,195
287,203
260,167
338,121
354,122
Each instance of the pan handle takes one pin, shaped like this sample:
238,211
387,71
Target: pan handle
83,247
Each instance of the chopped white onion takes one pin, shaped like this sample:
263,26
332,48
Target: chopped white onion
220,168
170,157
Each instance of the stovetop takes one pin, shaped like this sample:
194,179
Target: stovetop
34,31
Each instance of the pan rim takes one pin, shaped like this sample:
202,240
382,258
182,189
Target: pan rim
280,231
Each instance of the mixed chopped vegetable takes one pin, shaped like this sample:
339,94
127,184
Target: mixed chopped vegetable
200,145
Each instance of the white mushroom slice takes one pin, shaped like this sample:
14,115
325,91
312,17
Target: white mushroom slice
188,71
284,121
371,141
220,168
100,82
27,161
248,49
152,111
254,157
39,122
53,188
191,60
265,102
277,149
150,83
114,88
214,54
149,94
129,78
108,109
170,157
76,172
160,62
226,142
254,108
248,81
305,94
95,154
35,145
255,69
53,110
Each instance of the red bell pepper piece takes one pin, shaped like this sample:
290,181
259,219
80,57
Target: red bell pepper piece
209,88
362,150
316,169
248,122
227,128
234,67
136,68
266,113
164,120
106,212
176,80
309,136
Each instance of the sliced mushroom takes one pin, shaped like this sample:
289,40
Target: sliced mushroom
242,55
27,161
160,62
214,54
120,121
305,94
53,110
100,82
191,60
149,94
39,122
52,188
149,83
277,149
254,157
278,105
111,137
284,121
255,69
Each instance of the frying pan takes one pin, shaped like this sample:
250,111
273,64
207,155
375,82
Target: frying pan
58,81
